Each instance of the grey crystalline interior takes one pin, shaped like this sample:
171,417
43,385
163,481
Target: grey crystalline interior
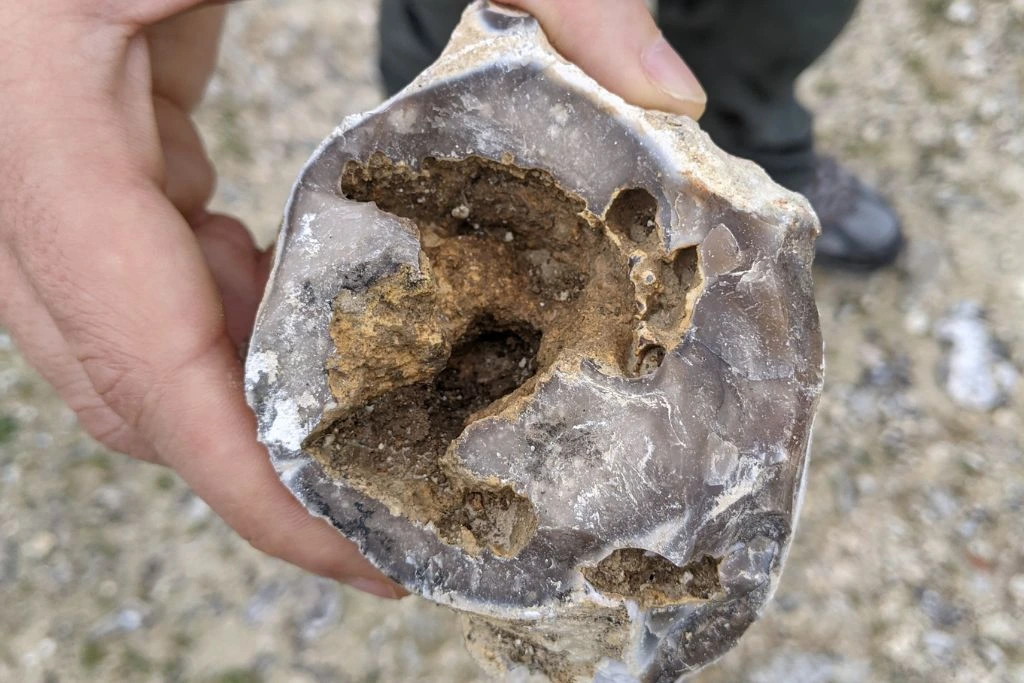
652,500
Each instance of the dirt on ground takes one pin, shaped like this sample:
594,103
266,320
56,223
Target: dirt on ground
908,564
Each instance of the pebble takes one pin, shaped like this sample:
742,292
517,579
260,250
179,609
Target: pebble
994,655
123,621
940,611
1000,628
43,651
939,643
916,322
976,376
41,545
197,511
989,109
261,605
962,12
111,499
1016,586
323,614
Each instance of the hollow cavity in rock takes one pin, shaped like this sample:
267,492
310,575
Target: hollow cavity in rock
517,278
652,580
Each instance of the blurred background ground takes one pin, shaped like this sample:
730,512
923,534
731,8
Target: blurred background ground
909,561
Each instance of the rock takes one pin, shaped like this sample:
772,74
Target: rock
916,322
111,500
975,372
125,620
261,604
1000,628
941,612
590,438
196,511
939,643
322,613
962,12
1016,586
41,545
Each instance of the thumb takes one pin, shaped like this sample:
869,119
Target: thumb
617,43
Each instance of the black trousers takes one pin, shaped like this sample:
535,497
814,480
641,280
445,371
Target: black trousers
746,53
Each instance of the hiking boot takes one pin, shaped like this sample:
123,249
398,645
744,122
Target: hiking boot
859,229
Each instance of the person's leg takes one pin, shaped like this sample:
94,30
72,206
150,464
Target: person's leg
747,55
412,35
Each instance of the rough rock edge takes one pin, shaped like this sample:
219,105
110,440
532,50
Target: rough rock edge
752,192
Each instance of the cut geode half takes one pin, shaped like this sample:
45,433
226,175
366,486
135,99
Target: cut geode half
547,358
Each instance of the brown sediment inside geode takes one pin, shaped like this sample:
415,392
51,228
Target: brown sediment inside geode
652,580
516,278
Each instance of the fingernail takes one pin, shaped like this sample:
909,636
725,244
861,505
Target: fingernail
382,589
670,74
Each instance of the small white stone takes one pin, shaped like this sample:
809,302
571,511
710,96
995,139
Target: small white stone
962,12
461,212
963,135
1019,288
999,628
197,511
939,643
989,109
871,132
866,484
1016,586
41,545
916,322
47,648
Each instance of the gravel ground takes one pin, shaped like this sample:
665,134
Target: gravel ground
909,561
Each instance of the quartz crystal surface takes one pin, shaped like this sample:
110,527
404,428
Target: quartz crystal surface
548,359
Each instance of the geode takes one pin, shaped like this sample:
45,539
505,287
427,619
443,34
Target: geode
546,358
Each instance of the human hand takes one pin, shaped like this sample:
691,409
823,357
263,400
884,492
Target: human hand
116,283
619,45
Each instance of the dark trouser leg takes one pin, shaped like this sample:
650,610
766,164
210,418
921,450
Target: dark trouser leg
412,35
748,54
